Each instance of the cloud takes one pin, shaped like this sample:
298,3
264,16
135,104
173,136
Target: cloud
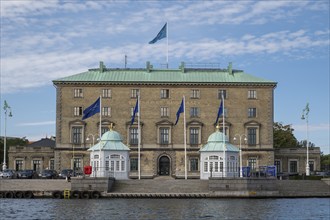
311,127
28,124
31,69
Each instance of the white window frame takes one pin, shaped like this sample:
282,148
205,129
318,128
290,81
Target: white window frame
252,94
106,93
78,93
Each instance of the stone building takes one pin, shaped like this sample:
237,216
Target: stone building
248,110
293,160
36,156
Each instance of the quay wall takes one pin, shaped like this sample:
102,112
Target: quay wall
171,188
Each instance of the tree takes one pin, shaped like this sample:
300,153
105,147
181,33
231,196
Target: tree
283,136
325,162
11,141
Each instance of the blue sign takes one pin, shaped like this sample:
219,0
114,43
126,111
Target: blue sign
246,171
271,171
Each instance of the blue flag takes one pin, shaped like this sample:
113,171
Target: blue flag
162,34
92,110
220,112
180,110
136,109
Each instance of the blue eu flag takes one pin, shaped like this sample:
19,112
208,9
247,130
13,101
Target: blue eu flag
92,110
220,112
162,34
180,110
136,109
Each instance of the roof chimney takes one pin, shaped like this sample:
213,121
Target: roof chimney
182,67
230,68
148,66
102,67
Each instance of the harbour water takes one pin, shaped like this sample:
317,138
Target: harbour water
301,208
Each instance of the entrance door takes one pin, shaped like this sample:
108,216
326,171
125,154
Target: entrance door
164,166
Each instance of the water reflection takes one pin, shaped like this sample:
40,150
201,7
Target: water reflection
314,208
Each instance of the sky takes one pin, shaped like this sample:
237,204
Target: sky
283,41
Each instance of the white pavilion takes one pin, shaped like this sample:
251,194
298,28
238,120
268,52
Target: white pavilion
110,157
218,157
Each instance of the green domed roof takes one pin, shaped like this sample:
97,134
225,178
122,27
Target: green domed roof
218,142
217,137
110,140
111,136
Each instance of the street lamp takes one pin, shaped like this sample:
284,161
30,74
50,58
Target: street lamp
303,117
93,137
240,152
6,107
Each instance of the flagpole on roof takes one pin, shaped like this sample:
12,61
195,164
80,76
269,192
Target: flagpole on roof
185,137
167,45
139,138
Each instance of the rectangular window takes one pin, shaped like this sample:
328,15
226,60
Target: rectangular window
206,167
134,164
216,166
122,165
103,130
76,135
133,137
77,164
195,94
36,165
112,165
18,165
252,94
311,165
164,93
221,166
106,111
106,93
107,165
117,165
278,166
194,136
293,166
78,93
77,111
252,136
253,164
194,112
221,129
194,164
164,112
164,135
252,112
135,93
52,164
222,92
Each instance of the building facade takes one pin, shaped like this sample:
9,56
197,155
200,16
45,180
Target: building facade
293,160
248,110
36,156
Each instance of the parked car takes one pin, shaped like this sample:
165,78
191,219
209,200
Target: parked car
49,174
64,173
8,174
27,174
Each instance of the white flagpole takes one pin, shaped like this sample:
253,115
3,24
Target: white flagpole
185,137
167,35
139,138
100,132
223,135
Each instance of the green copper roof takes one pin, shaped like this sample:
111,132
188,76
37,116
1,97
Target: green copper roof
150,75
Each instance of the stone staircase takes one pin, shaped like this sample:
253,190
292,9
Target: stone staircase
161,185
